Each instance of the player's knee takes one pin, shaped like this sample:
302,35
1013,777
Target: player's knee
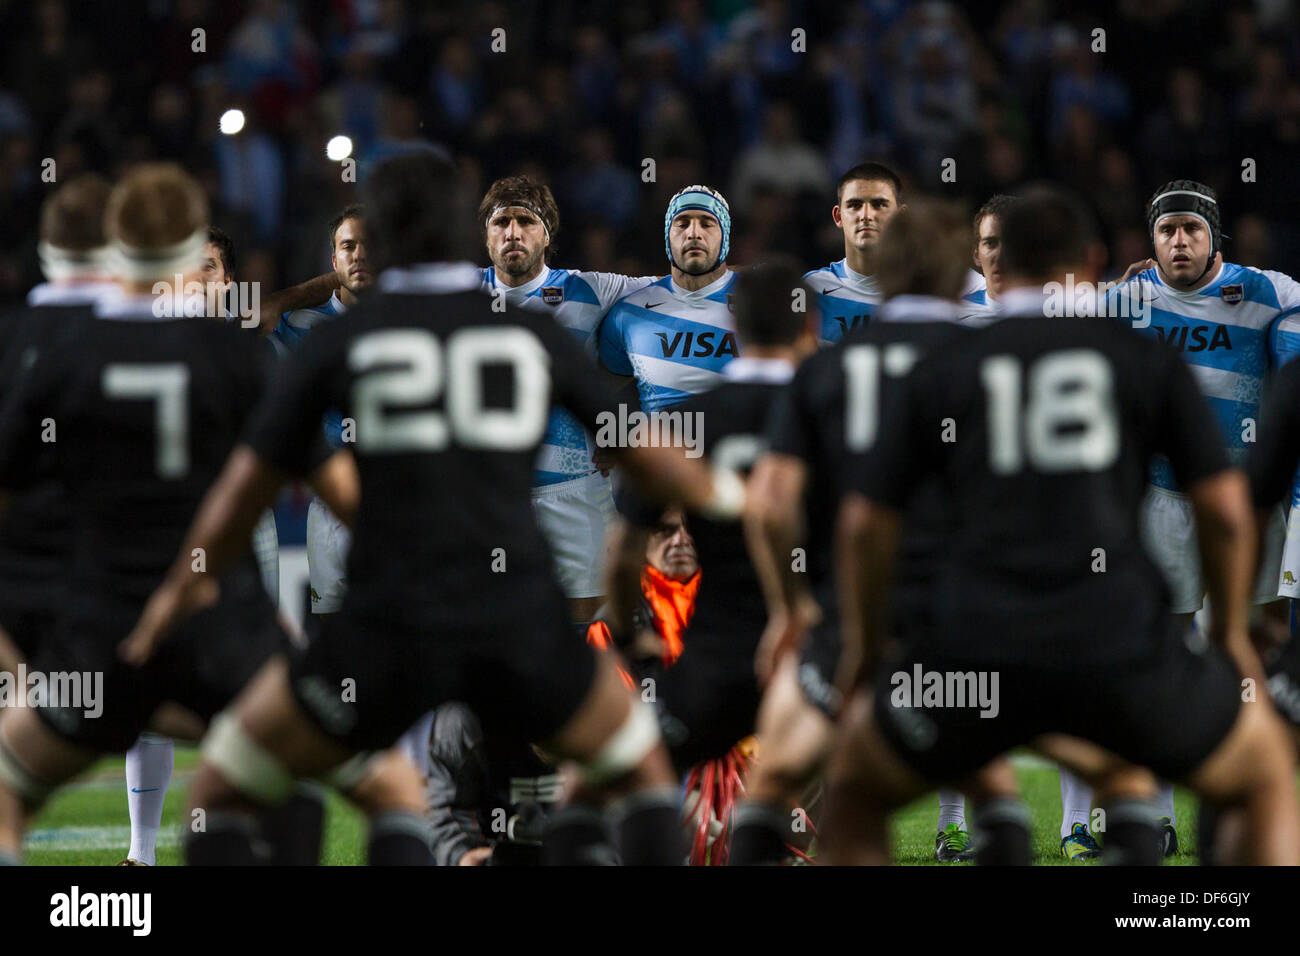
29,789
245,765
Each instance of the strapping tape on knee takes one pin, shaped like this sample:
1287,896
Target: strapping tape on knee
626,748
31,789
245,763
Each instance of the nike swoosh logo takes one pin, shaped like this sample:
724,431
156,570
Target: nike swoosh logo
655,306
145,790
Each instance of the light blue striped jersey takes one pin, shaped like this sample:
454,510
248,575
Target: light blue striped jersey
288,335
578,301
977,308
1231,332
675,343
846,298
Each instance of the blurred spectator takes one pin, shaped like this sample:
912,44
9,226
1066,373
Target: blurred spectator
779,161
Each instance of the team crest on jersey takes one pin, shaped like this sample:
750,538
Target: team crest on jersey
1231,293
552,294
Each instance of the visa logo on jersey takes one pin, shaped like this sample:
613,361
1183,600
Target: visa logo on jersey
1193,338
691,345
851,322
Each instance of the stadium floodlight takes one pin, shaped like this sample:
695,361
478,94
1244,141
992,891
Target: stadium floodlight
338,148
232,121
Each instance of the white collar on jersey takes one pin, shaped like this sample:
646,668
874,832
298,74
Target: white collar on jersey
435,277
140,307
919,308
865,283
520,291
772,371
82,292
1022,301
713,287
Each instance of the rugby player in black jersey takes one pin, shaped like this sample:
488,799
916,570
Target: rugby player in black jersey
453,594
135,410
824,423
1040,432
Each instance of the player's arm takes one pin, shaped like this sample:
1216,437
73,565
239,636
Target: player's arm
338,484
304,295
1225,530
773,529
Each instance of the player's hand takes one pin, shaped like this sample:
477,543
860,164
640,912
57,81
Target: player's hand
166,608
475,857
604,460
784,633
1140,266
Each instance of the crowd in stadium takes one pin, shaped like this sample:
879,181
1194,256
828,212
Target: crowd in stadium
584,92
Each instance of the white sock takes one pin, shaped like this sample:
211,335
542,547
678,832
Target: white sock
1076,802
1165,800
952,809
148,772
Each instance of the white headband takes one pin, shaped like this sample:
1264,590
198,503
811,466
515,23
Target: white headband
148,265
518,205
59,264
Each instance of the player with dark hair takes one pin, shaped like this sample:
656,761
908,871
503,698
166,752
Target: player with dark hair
426,619
1051,426
519,222
987,224
848,291
1232,325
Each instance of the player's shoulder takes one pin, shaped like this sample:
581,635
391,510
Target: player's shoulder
827,278
595,287
975,286
635,302
1266,286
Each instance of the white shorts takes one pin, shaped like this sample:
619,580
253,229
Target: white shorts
574,516
328,540
1169,532
1288,584
266,545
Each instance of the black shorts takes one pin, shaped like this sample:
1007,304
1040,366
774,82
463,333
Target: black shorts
1166,710
1283,666
201,666
27,627
706,703
364,682
819,658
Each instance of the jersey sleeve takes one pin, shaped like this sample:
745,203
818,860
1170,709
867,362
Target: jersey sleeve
285,430
1187,431
1284,335
612,343
1273,458
610,286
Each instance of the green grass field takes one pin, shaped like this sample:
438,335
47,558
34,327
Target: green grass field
87,825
